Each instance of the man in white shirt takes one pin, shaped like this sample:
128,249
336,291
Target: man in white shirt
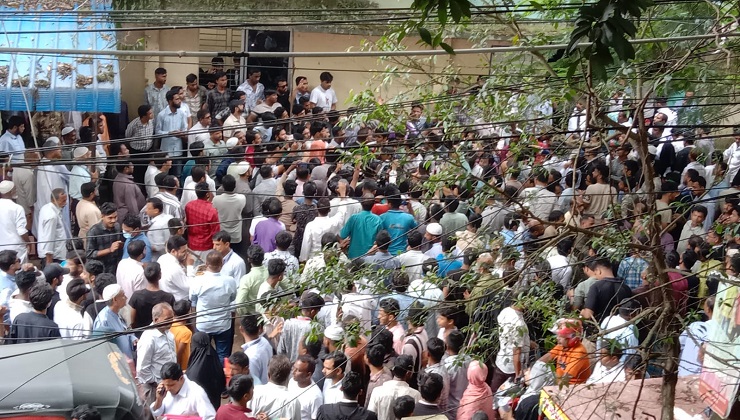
270,104
411,261
577,121
513,352
305,390
321,225
12,222
52,237
130,271
80,172
560,266
159,163
283,240
175,277
177,395
671,117
731,155
694,226
254,90
538,199
335,365
273,397
609,368
68,312
11,141
235,121
210,294
234,265
199,131
156,347
323,95
383,397
623,332
159,231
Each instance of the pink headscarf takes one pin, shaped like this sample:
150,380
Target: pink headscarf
478,395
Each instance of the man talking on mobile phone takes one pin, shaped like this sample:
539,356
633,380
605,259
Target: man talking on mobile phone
178,395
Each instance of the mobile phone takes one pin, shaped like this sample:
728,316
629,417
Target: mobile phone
162,391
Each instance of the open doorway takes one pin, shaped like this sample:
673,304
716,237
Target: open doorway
272,68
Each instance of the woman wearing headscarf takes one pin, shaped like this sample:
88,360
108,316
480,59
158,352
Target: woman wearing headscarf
478,395
204,368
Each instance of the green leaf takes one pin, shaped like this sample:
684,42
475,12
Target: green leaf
537,6
575,38
456,10
425,35
571,70
625,25
437,39
465,6
447,47
442,12
608,12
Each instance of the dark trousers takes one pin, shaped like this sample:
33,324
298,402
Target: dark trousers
140,159
497,380
224,342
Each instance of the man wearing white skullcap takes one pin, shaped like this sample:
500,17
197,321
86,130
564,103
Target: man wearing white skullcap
12,222
109,322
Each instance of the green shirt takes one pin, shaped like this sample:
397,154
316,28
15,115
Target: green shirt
453,222
361,228
249,285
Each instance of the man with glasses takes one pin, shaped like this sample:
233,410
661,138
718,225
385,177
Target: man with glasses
283,93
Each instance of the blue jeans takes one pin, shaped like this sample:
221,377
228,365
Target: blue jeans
224,342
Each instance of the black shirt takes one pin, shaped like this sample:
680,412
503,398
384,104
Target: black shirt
31,327
344,411
423,409
143,301
604,295
98,239
54,300
284,101
94,308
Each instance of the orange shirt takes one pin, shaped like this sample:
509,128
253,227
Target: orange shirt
183,335
573,361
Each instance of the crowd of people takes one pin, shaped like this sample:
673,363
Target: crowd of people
226,217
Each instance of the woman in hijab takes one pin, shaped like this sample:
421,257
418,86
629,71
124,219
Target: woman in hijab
205,369
478,395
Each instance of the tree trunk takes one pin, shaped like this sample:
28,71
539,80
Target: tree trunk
670,327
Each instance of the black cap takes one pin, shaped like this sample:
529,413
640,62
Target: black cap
52,271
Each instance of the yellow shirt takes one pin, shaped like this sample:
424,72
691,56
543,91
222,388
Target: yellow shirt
183,335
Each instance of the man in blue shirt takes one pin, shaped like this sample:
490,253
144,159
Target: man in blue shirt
172,123
9,264
110,322
132,232
398,223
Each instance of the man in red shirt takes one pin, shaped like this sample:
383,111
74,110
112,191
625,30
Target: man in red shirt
202,221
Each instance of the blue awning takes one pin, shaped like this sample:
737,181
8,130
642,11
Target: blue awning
45,82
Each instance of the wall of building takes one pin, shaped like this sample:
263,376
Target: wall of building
351,74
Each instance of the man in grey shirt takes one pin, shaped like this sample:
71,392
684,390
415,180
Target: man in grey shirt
229,206
265,189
